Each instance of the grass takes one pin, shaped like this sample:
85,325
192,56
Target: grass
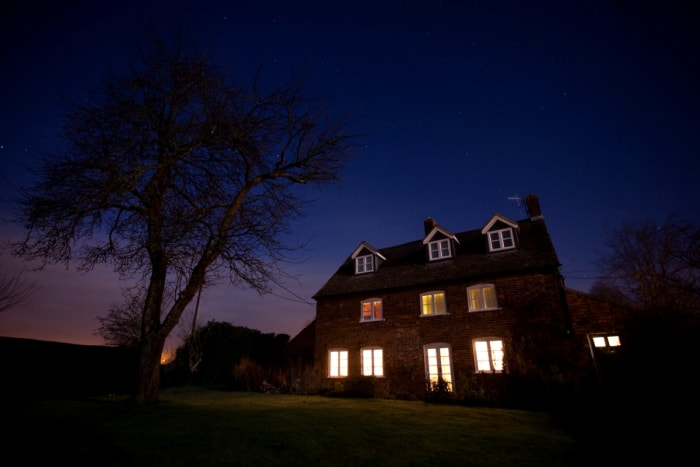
205,427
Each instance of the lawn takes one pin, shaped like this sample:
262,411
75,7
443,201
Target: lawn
206,427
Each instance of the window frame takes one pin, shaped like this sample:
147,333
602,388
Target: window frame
367,262
375,357
491,354
339,367
500,240
441,348
606,341
432,294
482,297
441,254
373,312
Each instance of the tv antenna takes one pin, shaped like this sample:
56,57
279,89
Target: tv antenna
519,201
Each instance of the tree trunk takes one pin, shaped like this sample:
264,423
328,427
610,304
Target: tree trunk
149,370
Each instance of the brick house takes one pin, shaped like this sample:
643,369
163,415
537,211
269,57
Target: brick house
482,314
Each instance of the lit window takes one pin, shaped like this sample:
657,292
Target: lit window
489,355
433,303
438,364
501,240
364,264
482,297
606,341
338,363
372,362
439,249
372,309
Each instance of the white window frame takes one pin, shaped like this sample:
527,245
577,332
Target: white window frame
372,361
480,302
497,240
433,303
371,303
490,359
338,363
438,364
364,264
440,249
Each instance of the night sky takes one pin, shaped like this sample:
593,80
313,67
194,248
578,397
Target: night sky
462,106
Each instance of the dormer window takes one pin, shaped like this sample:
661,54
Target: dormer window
501,240
439,241
364,264
500,233
440,249
366,258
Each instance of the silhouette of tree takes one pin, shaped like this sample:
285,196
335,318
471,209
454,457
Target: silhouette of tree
173,172
122,325
15,290
656,267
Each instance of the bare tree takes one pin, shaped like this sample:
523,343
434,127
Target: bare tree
15,290
655,266
173,172
122,325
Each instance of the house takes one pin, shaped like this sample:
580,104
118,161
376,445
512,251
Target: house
481,315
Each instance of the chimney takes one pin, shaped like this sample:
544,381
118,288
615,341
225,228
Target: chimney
533,207
428,224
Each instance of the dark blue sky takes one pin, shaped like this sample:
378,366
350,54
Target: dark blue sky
593,106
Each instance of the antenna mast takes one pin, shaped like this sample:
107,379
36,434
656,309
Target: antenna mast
519,201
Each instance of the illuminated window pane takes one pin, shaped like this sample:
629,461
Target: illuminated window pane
438,365
482,297
371,309
338,363
366,310
440,306
433,303
427,304
378,309
367,362
489,355
599,341
372,362
613,341
378,363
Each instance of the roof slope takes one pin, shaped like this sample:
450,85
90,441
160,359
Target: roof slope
406,265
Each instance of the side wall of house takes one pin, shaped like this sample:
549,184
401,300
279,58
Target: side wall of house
530,321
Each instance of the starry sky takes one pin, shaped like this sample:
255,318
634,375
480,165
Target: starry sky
463,106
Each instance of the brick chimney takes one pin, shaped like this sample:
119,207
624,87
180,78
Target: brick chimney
428,224
533,207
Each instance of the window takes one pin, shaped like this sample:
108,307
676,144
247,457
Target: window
364,264
372,309
372,362
439,249
501,240
438,364
482,297
489,355
606,341
433,303
338,363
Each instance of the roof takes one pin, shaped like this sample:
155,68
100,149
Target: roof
406,265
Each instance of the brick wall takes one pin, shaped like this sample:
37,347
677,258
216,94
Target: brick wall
532,301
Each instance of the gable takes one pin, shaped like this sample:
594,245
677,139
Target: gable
498,222
365,249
